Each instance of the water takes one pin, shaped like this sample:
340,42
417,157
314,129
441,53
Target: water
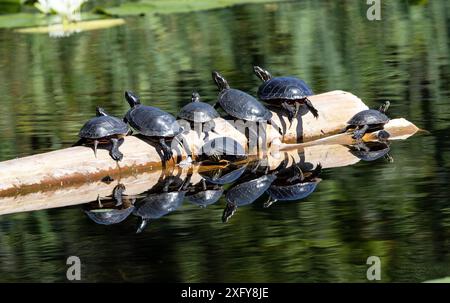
398,211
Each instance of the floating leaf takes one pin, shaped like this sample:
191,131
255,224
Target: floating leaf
67,29
171,6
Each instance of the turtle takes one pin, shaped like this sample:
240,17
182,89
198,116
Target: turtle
104,129
199,112
160,203
221,150
106,213
205,195
246,193
294,188
153,123
368,120
286,92
239,104
371,151
226,175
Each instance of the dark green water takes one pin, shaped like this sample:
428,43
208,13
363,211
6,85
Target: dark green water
399,212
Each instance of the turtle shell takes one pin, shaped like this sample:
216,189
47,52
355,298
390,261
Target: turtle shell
199,112
247,192
108,216
103,126
292,192
284,88
152,121
224,146
155,206
367,117
243,106
206,197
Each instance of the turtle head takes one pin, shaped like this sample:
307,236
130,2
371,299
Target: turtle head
99,111
384,107
221,83
195,97
261,73
228,212
132,99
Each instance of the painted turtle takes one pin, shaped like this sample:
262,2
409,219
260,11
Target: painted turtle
104,129
199,112
239,104
368,120
245,193
294,188
152,122
287,92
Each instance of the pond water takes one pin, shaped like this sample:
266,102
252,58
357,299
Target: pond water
397,211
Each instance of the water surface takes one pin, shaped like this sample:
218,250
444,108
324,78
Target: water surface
398,211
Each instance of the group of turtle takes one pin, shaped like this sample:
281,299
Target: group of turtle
245,184
287,93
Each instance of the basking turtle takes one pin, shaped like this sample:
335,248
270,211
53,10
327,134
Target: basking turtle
245,193
226,175
220,150
368,120
199,112
205,195
104,129
294,188
287,92
239,104
152,122
112,211
371,151
158,204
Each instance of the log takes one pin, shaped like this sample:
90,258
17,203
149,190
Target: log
77,165
328,155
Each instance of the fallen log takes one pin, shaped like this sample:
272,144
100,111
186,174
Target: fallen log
77,165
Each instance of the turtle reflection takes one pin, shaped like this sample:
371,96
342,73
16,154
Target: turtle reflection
246,191
293,184
204,194
371,151
112,210
224,175
164,198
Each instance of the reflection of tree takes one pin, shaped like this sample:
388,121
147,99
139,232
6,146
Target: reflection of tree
399,212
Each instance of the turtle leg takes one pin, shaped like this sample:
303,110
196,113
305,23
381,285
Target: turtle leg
269,202
114,152
359,132
228,212
311,108
167,151
117,194
345,129
298,175
289,110
296,109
